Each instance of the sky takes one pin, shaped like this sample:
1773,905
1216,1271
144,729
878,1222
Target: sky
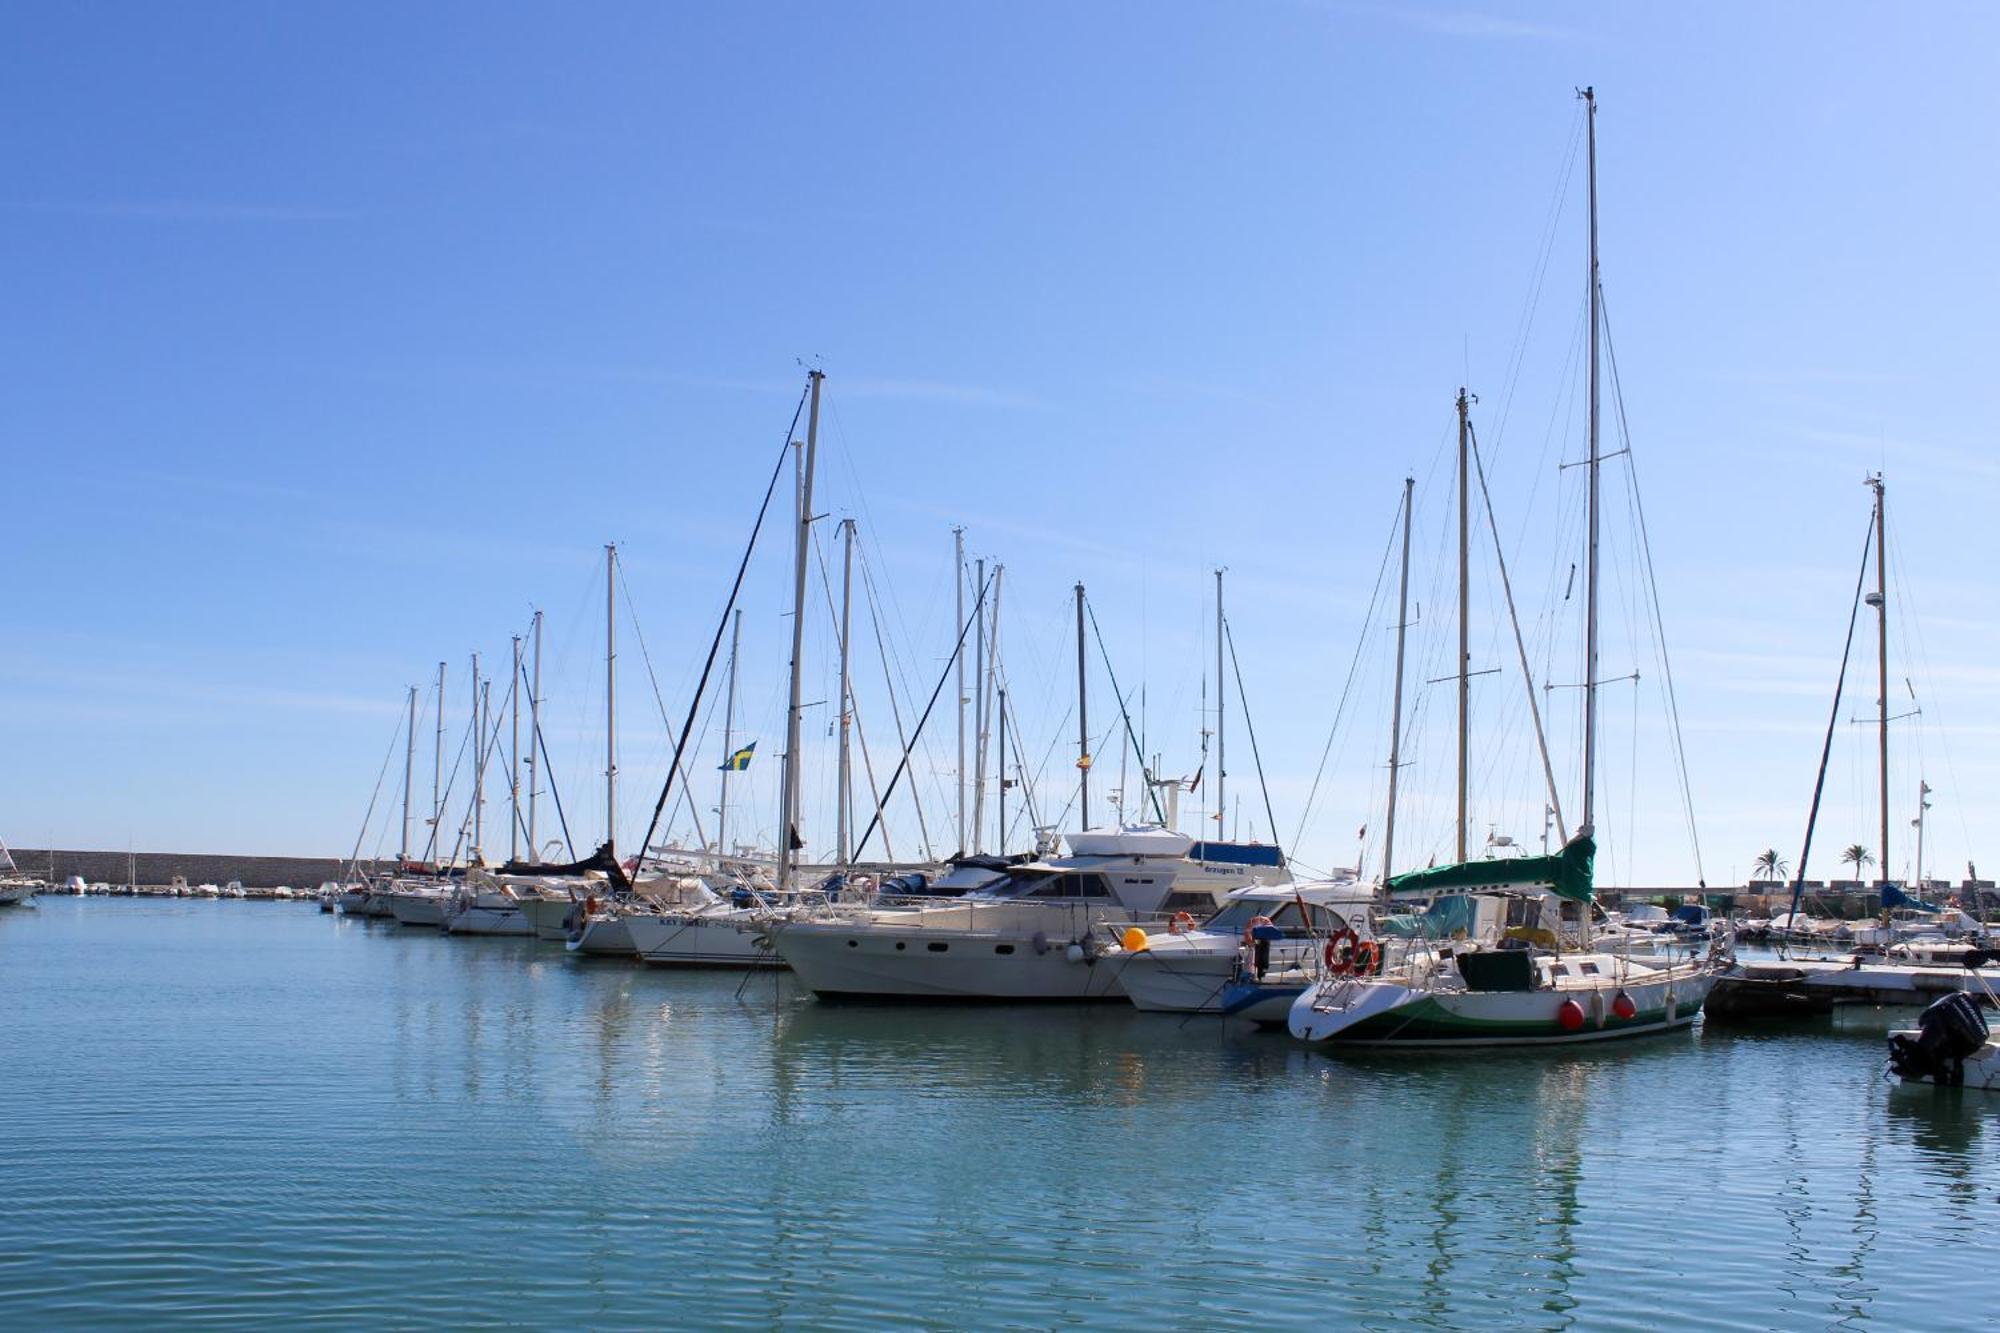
341,338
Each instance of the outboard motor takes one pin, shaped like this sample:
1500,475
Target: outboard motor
1951,1029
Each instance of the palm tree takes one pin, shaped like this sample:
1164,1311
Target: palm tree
1770,865
1858,856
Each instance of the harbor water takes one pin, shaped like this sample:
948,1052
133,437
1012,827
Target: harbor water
249,1112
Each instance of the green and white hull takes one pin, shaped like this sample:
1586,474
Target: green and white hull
1389,1012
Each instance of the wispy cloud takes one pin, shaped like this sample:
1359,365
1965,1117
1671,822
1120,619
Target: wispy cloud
178,210
937,391
1466,23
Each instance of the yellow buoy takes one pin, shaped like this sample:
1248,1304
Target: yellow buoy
1134,940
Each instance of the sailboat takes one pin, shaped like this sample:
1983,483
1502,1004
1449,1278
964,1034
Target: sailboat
15,887
1544,984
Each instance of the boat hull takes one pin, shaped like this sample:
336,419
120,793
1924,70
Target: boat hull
604,937
837,961
1388,1014
724,940
417,909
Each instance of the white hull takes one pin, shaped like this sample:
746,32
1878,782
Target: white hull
550,918
1388,1012
353,904
604,936
835,959
417,909
722,939
487,921
1982,1067
17,891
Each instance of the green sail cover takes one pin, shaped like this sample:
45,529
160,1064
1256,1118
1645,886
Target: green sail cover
1567,874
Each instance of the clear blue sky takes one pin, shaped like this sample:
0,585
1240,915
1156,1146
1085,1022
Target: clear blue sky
337,337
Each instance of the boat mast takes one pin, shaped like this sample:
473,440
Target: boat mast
1923,804
843,794
437,773
979,718
1464,611
478,766
993,685
611,701
1082,723
728,742
534,736
1589,824
1221,809
958,582
514,760
1881,601
409,768
788,823
1000,798
1396,714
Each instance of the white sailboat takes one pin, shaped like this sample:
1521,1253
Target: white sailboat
15,887
1546,985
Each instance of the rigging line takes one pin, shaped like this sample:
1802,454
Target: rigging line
1145,773
850,706
457,762
625,586
1833,720
1520,645
1527,321
1653,587
549,772
1305,815
1229,636
722,622
895,708
978,609
369,818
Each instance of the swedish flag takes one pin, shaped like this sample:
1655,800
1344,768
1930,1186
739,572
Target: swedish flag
739,761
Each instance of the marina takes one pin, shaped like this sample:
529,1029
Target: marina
797,1148
988,668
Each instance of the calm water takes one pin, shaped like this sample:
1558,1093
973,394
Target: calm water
250,1111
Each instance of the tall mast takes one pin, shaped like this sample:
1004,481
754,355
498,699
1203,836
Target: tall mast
1221,772
478,764
534,737
409,768
979,717
1000,798
611,700
1464,610
514,760
958,582
843,792
728,740
1881,600
1396,713
1082,723
437,773
788,824
993,685
1589,825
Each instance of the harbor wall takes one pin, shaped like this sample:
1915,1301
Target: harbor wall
253,872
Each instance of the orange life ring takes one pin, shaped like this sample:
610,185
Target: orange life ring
1341,961
1250,929
1367,958
1182,923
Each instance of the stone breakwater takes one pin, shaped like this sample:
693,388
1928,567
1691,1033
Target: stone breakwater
253,872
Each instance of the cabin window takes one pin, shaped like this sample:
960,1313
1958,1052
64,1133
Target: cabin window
1003,948
854,944
937,946
1072,886
901,945
1588,969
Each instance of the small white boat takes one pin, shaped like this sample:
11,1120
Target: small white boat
1952,1045
1188,968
